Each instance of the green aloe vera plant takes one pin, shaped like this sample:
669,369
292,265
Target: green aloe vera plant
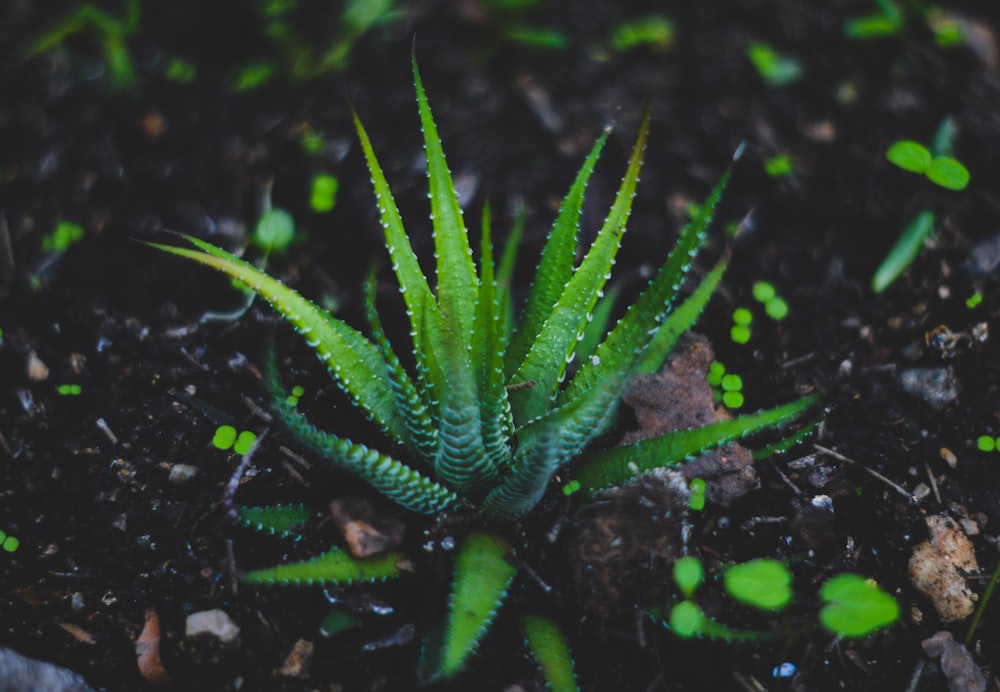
494,406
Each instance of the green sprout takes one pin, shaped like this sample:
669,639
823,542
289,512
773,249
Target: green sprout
775,69
296,394
66,233
697,500
732,396
763,291
762,583
274,231
943,171
774,305
9,543
779,166
324,192
856,606
225,437
494,408
655,31
974,301
986,443
180,70
254,75
740,331
69,390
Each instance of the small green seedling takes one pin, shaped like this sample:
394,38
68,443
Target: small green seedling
572,487
943,171
69,390
66,233
779,166
855,606
740,331
987,443
655,31
295,395
180,70
254,75
726,387
225,438
697,499
324,193
974,301
775,69
8,543
275,231
774,305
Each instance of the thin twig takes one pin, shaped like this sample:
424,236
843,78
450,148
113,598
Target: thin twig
875,474
933,480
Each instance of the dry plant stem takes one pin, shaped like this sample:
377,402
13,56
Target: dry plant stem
234,481
875,474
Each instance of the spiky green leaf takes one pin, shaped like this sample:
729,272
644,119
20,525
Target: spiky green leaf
549,648
354,362
546,362
556,266
281,520
482,577
457,284
618,465
332,567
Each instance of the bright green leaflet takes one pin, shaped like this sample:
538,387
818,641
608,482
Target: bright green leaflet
550,649
762,583
856,606
909,155
688,572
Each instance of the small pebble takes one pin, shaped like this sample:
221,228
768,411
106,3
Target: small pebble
215,623
936,386
179,473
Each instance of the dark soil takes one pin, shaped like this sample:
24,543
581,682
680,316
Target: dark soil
105,536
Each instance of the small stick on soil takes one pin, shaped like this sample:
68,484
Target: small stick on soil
875,474
234,480
933,480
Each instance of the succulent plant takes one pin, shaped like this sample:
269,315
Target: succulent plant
494,407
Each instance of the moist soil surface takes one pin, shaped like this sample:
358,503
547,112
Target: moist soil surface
909,376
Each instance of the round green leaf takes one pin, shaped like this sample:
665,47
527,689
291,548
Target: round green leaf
687,619
909,155
855,606
275,230
688,572
947,173
762,583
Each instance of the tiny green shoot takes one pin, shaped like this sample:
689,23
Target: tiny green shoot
986,443
856,606
774,68
904,251
763,291
740,331
697,499
253,76
887,21
180,70
655,31
65,234
324,192
974,301
779,166
572,487
295,395
69,390
8,543
776,308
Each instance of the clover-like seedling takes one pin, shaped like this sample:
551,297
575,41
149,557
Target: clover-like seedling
774,68
274,231
8,543
323,195
855,606
697,499
69,390
779,166
179,70
225,437
740,332
944,171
